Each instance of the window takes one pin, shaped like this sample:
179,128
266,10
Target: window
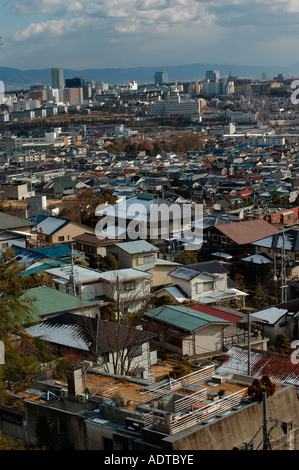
105,356
136,351
130,285
147,259
61,239
207,286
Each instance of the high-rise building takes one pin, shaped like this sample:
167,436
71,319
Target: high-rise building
213,75
73,96
161,77
76,82
57,78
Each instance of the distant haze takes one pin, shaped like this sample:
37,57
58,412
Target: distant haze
188,72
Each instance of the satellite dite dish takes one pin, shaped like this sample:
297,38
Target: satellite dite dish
2,354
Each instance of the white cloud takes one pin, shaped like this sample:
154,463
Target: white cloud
52,27
176,30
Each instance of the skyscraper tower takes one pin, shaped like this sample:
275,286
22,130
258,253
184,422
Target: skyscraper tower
57,78
213,75
161,77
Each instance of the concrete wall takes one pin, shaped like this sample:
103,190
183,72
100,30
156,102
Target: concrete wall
70,428
225,433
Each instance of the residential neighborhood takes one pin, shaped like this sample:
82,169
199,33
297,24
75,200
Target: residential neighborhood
149,269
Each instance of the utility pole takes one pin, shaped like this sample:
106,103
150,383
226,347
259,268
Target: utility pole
283,269
73,271
266,444
275,274
249,345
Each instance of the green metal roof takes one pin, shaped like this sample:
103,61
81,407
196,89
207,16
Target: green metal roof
183,317
47,300
66,181
147,196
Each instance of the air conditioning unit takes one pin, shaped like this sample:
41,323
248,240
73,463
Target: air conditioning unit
64,393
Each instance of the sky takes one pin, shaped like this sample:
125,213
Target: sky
80,34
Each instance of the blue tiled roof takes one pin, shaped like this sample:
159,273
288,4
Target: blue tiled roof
38,269
57,251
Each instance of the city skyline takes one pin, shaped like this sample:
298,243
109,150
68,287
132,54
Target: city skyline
99,33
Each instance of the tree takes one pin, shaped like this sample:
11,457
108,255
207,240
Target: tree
22,353
164,300
239,280
84,203
7,443
260,386
281,344
110,261
187,257
261,298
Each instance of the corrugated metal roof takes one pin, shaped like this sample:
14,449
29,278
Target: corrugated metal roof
176,293
218,312
183,317
123,274
36,269
271,315
47,300
80,332
257,259
220,295
278,367
50,225
65,335
138,246
81,273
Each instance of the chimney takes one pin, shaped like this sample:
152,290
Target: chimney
75,384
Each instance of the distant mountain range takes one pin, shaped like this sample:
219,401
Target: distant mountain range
16,78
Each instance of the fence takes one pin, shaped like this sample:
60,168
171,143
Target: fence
173,385
172,425
190,400
207,412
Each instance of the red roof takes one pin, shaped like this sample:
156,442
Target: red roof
247,231
217,312
93,239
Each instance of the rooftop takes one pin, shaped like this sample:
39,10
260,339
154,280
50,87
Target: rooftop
184,318
47,301
248,231
138,246
8,221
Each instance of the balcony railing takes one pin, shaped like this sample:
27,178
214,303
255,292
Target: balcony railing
240,339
